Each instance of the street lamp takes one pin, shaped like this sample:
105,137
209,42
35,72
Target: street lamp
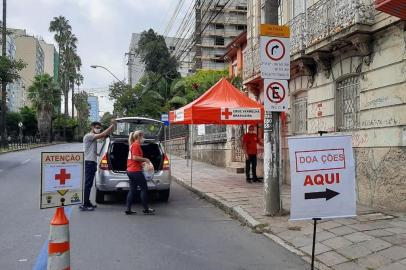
111,73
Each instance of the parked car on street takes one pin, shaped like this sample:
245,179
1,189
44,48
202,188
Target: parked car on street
111,173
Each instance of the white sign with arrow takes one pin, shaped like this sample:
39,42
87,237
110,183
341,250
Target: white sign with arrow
322,177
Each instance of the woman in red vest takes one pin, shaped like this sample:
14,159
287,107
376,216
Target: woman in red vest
135,164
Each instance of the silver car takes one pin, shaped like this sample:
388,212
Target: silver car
111,173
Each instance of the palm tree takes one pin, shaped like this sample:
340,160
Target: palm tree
75,76
82,106
68,64
44,95
59,25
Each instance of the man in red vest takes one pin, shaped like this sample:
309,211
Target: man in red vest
249,143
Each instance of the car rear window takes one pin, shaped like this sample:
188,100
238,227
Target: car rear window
151,129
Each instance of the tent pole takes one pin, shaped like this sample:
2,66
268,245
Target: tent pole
170,149
191,155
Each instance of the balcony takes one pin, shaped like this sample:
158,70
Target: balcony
329,22
251,67
328,18
297,33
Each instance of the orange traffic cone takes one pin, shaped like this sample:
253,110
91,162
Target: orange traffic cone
58,247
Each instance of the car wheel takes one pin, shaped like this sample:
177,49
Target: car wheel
164,195
99,196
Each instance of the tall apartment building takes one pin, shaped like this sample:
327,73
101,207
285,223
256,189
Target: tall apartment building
15,89
136,67
29,50
51,59
212,35
94,108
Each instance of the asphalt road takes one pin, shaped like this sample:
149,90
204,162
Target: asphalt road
187,233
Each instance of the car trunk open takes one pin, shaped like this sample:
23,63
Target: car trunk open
118,154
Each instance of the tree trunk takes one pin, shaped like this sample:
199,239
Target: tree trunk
44,115
66,94
73,99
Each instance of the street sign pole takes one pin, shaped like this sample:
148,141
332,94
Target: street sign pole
272,157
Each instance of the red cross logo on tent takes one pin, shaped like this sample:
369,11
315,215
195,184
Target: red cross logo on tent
62,176
226,113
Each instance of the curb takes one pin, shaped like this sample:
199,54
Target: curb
246,219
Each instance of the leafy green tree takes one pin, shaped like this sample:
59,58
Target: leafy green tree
12,120
83,108
44,94
141,100
156,56
9,72
29,119
189,88
106,119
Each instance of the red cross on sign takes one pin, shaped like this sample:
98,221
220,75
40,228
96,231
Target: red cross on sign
62,176
226,113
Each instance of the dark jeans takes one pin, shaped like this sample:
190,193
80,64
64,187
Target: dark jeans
252,160
137,179
90,172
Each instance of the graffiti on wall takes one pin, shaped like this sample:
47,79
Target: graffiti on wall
318,124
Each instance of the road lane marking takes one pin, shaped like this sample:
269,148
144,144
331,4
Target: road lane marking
42,259
25,161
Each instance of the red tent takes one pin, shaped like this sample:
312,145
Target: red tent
222,104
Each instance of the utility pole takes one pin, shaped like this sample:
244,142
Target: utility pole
3,83
272,151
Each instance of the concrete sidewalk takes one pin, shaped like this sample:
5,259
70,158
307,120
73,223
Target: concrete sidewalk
374,240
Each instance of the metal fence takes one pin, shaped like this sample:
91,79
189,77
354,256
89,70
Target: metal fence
20,143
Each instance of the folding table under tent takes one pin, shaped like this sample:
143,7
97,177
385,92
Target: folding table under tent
222,104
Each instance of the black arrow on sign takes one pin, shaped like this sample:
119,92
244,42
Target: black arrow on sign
328,194
275,47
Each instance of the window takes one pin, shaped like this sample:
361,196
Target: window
299,106
241,27
241,7
297,7
218,58
347,104
219,41
219,26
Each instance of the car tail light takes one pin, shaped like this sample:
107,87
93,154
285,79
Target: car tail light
166,163
104,163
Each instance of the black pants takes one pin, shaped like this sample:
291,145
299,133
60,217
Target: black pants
251,161
137,179
90,172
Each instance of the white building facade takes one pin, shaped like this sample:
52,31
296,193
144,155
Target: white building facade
348,76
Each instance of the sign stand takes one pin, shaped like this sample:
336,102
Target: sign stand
315,223
314,240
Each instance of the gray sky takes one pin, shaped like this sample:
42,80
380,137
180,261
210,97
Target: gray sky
103,28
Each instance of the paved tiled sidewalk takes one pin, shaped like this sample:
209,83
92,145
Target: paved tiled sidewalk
372,241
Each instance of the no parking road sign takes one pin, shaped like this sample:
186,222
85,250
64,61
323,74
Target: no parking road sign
276,95
322,177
